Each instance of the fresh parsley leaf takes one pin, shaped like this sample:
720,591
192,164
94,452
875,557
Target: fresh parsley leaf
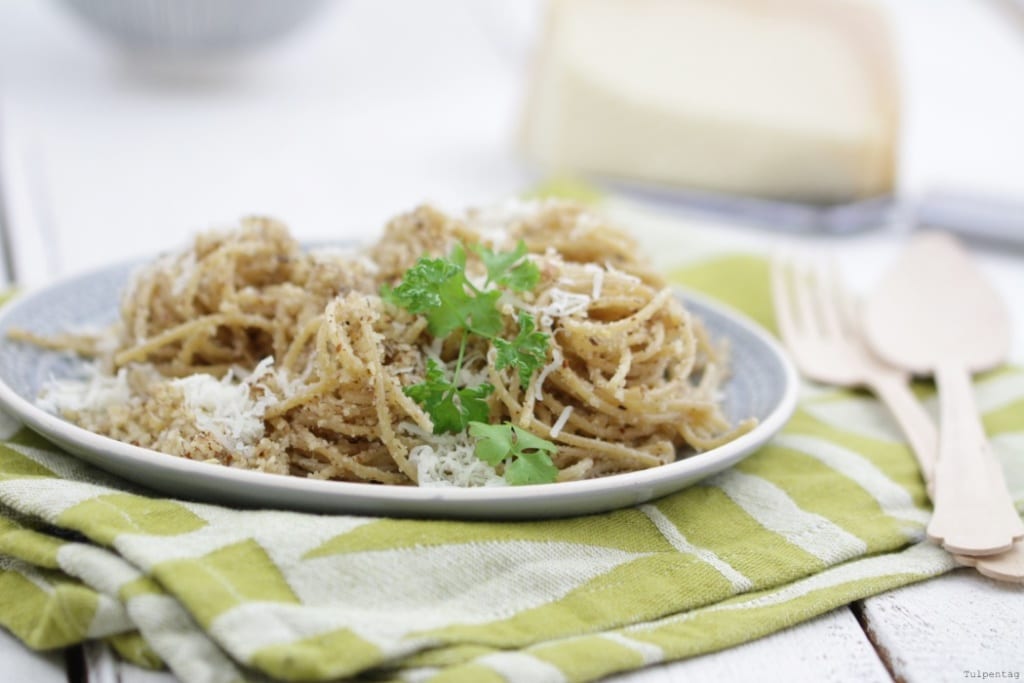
454,310
458,255
473,405
523,278
531,468
528,441
420,290
494,442
527,457
510,268
527,352
446,416
431,394
481,314
438,289
450,408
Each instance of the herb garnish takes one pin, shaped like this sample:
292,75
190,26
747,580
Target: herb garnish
451,408
527,352
527,457
439,289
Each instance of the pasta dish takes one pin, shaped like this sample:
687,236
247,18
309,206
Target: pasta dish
527,343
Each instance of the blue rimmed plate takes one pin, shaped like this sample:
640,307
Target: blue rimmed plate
763,384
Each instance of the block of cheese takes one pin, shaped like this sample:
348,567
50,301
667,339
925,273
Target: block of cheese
794,100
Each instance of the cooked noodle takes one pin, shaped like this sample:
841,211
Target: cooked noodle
249,351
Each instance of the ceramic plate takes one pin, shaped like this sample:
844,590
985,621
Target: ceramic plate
763,385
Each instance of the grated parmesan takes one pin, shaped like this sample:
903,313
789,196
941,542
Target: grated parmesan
493,222
629,277
585,222
225,407
469,377
565,303
556,362
556,428
447,460
93,390
598,272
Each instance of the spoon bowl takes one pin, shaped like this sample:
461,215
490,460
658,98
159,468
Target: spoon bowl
934,313
934,306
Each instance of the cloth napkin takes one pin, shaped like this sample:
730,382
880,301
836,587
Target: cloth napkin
832,510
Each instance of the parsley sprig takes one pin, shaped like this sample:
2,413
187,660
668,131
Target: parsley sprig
527,457
439,289
450,407
527,352
510,269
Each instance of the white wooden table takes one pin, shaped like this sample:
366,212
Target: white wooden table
383,104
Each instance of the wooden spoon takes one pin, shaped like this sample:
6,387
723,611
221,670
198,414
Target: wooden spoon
1006,566
923,437
935,314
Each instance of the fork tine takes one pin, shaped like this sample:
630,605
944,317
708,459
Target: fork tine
805,293
830,298
782,298
849,312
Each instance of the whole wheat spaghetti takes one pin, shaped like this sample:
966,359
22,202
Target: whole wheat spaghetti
249,351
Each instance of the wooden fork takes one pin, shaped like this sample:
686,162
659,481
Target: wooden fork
819,325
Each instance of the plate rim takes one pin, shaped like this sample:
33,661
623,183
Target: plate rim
113,456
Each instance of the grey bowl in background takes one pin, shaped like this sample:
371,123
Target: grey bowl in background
192,26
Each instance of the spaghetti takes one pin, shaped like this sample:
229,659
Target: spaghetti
247,350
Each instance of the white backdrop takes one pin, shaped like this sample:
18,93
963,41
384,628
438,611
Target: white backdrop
374,107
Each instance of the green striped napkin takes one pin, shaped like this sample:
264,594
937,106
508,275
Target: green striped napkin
831,511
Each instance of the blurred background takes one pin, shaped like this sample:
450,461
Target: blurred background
125,127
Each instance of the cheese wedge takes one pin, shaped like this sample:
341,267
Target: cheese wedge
794,100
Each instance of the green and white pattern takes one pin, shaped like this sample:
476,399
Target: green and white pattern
830,511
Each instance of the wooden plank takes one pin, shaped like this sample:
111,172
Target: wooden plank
830,649
18,663
957,627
